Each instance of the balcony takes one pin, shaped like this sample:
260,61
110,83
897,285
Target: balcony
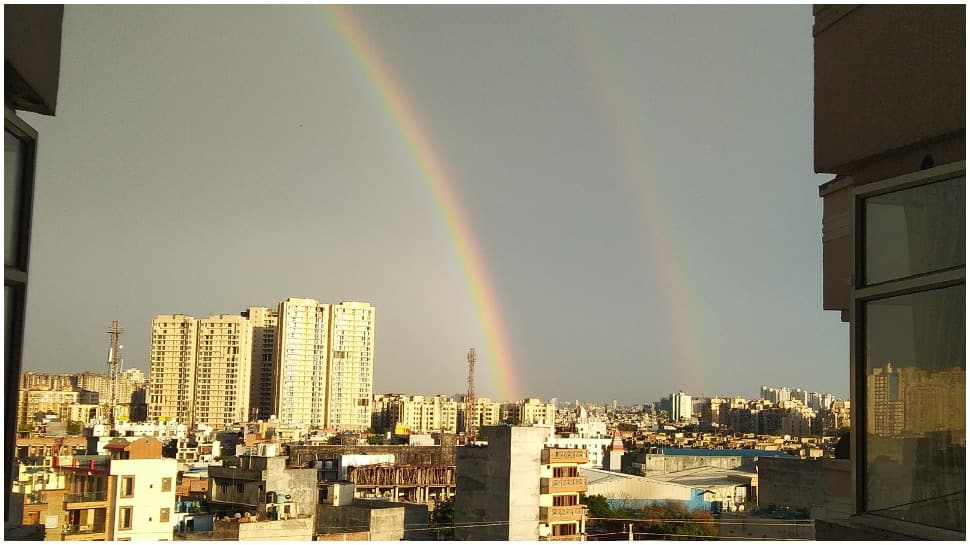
561,514
86,500
35,498
557,485
572,537
83,532
564,456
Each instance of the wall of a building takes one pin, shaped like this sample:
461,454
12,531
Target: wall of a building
148,499
299,484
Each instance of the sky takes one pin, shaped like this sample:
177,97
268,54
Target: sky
607,202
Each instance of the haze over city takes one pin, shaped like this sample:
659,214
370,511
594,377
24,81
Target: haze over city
634,210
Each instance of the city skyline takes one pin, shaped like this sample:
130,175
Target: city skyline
647,214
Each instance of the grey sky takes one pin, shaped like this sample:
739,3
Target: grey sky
206,159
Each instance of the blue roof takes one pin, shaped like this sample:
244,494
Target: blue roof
742,452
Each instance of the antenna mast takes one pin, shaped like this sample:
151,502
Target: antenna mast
470,397
114,367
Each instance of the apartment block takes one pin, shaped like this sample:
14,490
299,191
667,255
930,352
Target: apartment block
681,407
532,491
325,363
171,375
350,384
263,380
40,399
485,413
223,364
200,369
301,361
414,414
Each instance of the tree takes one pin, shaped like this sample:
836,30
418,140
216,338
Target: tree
73,428
598,508
443,520
375,440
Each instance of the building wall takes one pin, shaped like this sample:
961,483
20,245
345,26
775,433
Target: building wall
171,374
263,380
223,365
350,384
301,361
300,484
148,500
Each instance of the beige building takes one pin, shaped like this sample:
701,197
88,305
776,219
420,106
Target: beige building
301,361
485,413
200,369
171,375
223,364
262,386
350,374
325,363
47,401
415,414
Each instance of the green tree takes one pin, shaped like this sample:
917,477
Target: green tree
375,440
443,520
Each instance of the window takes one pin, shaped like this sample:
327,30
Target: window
910,348
163,514
124,518
128,486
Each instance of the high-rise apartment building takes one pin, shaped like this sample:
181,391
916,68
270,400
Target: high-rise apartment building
171,374
262,386
200,368
223,364
301,361
682,406
350,374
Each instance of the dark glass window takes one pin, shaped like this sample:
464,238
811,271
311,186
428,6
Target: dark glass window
915,231
13,166
915,395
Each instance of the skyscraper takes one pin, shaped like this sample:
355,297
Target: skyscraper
171,374
302,345
350,373
262,390
223,365
199,369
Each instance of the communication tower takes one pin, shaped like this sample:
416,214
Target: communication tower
115,363
470,397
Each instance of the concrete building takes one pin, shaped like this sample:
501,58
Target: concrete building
341,516
516,479
32,57
485,413
404,415
262,484
302,346
171,374
143,499
262,386
45,401
223,364
681,407
890,125
200,368
350,371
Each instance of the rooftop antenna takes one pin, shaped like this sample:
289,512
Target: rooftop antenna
115,363
470,397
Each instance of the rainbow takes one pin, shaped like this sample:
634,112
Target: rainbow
633,148
418,143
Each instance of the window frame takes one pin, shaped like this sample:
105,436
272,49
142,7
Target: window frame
861,294
130,509
121,492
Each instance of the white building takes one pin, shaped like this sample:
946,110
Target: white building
681,407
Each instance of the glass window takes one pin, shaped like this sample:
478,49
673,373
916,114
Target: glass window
915,394
13,165
915,231
124,518
127,486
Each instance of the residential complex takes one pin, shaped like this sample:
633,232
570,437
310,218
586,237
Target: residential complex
171,373
262,388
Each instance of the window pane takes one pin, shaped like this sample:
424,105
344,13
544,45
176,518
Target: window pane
915,407
12,191
915,231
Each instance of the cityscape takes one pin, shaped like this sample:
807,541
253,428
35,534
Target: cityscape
485,273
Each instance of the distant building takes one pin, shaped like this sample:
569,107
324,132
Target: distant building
262,377
681,407
171,375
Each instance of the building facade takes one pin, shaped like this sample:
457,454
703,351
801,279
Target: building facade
302,344
263,380
171,374
890,125
223,364
681,406
350,369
